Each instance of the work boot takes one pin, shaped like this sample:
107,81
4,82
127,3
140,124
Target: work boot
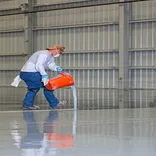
34,107
61,104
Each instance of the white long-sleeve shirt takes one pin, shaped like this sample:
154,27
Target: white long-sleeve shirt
40,61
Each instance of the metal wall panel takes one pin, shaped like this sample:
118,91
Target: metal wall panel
84,30
144,10
89,60
12,22
143,35
12,43
46,2
10,4
90,38
11,98
12,63
142,58
142,78
142,98
77,16
7,76
79,33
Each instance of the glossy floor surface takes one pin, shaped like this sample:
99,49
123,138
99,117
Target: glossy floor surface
126,132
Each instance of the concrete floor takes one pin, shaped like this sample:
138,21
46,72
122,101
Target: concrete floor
111,132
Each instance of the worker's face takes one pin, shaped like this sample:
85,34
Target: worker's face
55,52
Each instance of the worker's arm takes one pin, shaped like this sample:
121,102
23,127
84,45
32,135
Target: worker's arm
40,64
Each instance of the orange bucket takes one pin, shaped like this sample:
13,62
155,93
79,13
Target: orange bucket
60,81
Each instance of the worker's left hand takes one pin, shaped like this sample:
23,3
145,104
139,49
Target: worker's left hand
45,79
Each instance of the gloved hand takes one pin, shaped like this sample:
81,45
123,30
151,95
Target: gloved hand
45,79
58,68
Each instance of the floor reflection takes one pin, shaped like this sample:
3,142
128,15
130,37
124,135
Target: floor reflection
45,142
118,132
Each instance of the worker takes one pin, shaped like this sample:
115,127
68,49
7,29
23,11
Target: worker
34,75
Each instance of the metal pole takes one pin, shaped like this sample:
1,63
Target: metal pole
29,28
124,17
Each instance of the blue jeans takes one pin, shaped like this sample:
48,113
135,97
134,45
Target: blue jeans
33,82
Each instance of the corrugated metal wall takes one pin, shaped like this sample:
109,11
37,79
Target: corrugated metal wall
48,2
91,41
11,4
91,38
142,54
12,45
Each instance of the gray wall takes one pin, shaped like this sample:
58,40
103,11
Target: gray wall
92,40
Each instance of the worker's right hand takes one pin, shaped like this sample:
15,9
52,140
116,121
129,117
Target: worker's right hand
58,68
45,79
